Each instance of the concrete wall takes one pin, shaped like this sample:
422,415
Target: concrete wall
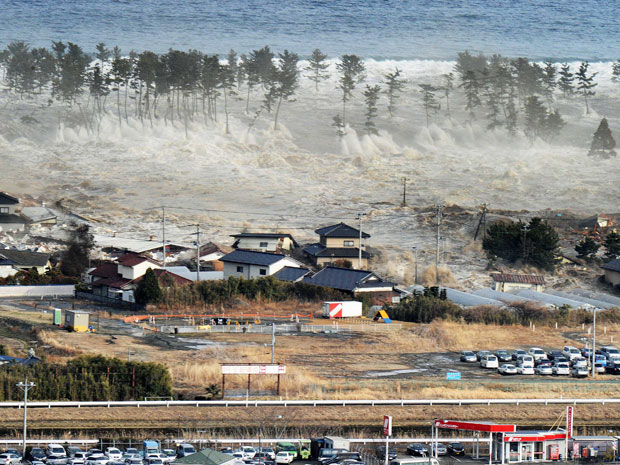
37,291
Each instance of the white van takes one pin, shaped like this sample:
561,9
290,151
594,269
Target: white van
55,450
415,461
489,361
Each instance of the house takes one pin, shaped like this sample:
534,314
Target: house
12,223
185,272
292,274
265,242
338,244
39,215
354,282
120,245
207,457
24,260
612,271
596,224
507,282
248,264
8,204
210,255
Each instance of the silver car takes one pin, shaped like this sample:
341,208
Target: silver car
9,459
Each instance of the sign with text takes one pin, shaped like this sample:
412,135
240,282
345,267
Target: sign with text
569,421
387,426
453,375
253,369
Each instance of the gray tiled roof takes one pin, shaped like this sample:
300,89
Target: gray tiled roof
340,230
318,250
206,457
613,265
6,199
345,279
290,273
24,257
252,258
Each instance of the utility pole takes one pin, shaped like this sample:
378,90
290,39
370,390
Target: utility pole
273,342
163,235
482,222
524,231
359,259
197,253
404,202
438,214
25,386
415,259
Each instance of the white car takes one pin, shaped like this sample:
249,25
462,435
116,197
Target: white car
537,353
79,458
610,352
543,369
507,369
248,451
525,369
526,361
489,361
580,372
9,459
571,352
561,368
113,453
579,362
285,457
269,451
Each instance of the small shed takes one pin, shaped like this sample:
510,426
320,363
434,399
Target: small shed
507,282
77,320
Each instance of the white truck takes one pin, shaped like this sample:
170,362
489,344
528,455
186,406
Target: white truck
335,442
342,309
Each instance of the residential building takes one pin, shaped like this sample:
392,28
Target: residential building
339,244
354,282
596,225
265,242
292,274
12,223
8,204
248,264
23,260
210,255
611,268
507,282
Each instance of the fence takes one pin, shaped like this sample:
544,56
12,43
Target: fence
52,290
280,328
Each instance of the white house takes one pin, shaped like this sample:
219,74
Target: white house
264,242
132,266
248,264
506,282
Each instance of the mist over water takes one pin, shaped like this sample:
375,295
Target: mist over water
389,29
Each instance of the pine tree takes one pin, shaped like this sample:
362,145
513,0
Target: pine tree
615,71
535,116
553,125
371,95
550,73
148,290
511,115
286,80
226,80
587,248
612,245
317,67
447,90
337,123
351,69
603,143
471,87
429,102
585,82
394,86
233,65
566,80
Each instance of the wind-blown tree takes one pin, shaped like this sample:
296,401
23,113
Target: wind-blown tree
351,69
535,115
553,125
286,80
99,87
566,81
447,90
467,62
233,63
70,76
103,55
528,78
337,123
146,72
585,82
603,143
394,86
121,72
550,72
20,68
615,71
471,87
226,83
429,102
210,79
371,95
511,114
317,68
248,65
587,248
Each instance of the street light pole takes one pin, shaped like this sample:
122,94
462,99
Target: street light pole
25,386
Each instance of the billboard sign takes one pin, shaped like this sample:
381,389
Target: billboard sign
253,369
387,425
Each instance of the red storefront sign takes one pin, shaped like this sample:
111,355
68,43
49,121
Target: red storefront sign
475,426
534,437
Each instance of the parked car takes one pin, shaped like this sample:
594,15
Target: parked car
537,353
134,461
507,369
468,356
579,362
544,369
554,354
79,458
610,352
227,450
456,448
97,460
95,453
489,361
503,356
441,449
579,371
586,352
7,458
132,450
392,454
518,353
571,352
170,454
416,448
482,353
326,454
613,367
113,453
184,449
284,457
153,461
525,369
262,458
14,451
526,360
561,368
36,454
249,451
55,451
269,451
342,457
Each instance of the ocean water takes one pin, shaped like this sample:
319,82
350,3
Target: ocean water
379,29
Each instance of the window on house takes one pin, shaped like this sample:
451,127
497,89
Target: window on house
262,272
4,209
349,243
239,269
262,245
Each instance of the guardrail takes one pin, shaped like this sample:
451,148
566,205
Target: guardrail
292,327
304,403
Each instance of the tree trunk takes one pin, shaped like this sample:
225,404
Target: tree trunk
247,102
275,120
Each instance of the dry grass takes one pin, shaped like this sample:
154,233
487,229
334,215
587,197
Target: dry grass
50,338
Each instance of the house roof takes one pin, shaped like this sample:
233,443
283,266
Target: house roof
205,457
38,214
6,199
252,258
613,265
133,259
116,282
265,235
212,247
318,250
161,274
346,279
518,278
292,274
10,218
132,245
25,257
340,230
106,270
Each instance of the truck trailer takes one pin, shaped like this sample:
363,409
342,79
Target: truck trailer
342,309
335,442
